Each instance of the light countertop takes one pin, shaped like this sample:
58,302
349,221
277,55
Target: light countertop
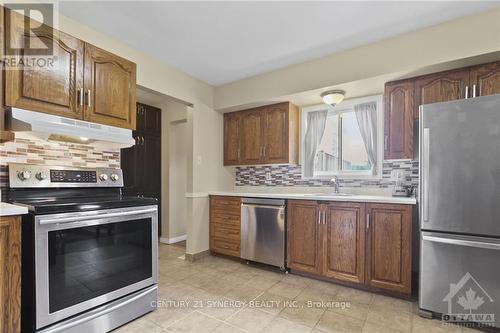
324,197
9,210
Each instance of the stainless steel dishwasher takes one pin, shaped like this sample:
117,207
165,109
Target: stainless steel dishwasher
263,231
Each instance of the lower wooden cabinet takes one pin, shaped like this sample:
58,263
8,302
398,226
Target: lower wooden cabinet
358,243
389,247
304,241
225,226
10,274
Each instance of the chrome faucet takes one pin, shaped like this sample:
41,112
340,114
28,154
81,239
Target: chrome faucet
335,183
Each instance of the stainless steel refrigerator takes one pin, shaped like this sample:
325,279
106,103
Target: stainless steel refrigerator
459,206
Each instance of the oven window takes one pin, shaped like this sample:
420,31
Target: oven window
92,261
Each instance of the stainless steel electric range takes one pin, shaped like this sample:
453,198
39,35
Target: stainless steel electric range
89,254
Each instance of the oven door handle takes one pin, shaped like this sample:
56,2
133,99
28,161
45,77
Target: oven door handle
96,216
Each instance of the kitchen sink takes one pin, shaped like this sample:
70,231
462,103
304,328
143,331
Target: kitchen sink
329,194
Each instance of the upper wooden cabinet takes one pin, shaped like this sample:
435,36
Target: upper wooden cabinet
83,82
398,120
404,98
56,89
485,79
264,135
441,87
109,88
389,247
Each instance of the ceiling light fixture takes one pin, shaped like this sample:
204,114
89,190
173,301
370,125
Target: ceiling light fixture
333,97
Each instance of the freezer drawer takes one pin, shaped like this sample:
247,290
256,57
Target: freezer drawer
459,275
263,231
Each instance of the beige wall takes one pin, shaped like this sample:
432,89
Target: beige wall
462,38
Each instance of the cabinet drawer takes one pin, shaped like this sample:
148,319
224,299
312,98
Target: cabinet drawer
228,247
223,203
225,232
226,219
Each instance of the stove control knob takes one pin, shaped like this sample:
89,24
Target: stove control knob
114,177
24,175
41,176
103,177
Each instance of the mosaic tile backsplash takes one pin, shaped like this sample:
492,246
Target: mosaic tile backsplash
290,175
29,149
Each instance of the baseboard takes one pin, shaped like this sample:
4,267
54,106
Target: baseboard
197,256
173,240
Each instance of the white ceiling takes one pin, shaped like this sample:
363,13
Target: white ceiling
220,42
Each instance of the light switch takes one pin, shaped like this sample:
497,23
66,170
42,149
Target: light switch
268,176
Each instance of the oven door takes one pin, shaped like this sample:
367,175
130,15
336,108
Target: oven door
83,260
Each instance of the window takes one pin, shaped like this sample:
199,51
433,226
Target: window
344,140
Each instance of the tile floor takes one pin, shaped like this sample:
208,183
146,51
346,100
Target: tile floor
220,295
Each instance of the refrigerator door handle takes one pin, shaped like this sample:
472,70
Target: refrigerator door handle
461,242
425,174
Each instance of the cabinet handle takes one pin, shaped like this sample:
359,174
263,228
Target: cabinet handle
89,100
324,217
264,151
80,96
466,92
142,139
386,140
319,217
474,91
367,221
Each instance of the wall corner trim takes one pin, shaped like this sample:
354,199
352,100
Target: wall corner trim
173,240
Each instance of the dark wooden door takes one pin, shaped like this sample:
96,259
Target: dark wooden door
486,79
389,247
275,133
10,274
55,88
141,163
232,131
304,252
398,120
440,87
251,137
109,88
344,242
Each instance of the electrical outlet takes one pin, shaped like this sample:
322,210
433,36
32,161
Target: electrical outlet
268,176
396,174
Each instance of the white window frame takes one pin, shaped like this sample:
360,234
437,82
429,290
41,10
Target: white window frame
347,106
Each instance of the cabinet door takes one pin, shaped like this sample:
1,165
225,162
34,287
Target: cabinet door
276,133
440,87
151,120
109,88
344,242
389,247
232,150
10,274
251,137
55,88
398,120
486,79
304,243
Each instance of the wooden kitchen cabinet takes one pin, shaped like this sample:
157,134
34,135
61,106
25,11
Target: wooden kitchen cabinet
81,81
398,119
485,79
225,225
56,89
388,254
232,148
441,87
344,241
304,240
357,243
109,88
10,274
264,135
252,126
